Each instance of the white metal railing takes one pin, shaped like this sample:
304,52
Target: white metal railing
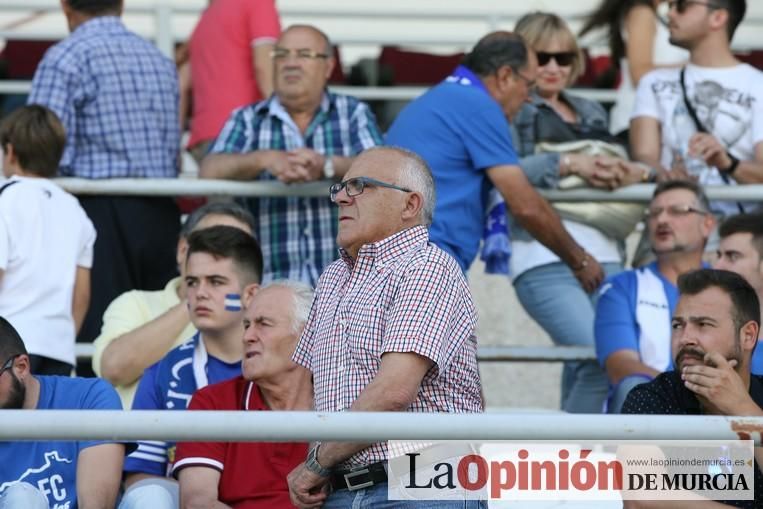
406,93
364,426
209,187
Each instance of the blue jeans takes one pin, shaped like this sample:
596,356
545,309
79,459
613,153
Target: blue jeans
553,297
375,497
23,495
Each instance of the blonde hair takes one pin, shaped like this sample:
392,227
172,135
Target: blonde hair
540,28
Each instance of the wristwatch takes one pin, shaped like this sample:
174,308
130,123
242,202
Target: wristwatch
328,167
311,463
732,167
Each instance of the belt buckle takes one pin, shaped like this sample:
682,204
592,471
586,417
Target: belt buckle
354,474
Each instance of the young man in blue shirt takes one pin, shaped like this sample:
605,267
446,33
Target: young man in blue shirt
54,474
223,271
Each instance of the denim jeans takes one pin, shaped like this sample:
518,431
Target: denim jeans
375,497
553,297
23,495
153,492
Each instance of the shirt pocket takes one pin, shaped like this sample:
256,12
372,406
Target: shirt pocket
365,326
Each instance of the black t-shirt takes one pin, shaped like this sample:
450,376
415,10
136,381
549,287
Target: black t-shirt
667,395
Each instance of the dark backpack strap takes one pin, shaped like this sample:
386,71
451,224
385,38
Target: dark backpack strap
7,185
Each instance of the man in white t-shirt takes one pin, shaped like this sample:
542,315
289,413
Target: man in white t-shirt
725,96
46,242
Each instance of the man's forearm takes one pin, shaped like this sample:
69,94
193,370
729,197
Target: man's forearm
234,166
541,221
749,172
125,359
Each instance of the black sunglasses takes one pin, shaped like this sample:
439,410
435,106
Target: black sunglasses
682,5
563,58
355,186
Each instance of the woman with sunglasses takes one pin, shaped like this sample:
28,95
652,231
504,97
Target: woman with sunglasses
638,43
545,286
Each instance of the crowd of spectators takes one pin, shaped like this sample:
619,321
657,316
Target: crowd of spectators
358,300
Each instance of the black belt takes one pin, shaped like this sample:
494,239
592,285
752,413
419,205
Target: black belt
360,477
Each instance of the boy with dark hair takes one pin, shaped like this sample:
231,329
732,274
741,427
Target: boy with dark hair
52,473
223,272
46,242
741,251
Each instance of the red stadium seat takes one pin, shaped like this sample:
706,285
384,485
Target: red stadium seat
402,67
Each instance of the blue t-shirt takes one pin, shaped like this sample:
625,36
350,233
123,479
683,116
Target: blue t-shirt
616,326
51,466
169,385
460,131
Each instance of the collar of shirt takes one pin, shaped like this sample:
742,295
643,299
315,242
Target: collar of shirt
383,252
274,108
462,75
100,24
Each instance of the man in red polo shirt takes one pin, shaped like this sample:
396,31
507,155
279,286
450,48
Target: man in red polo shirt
211,472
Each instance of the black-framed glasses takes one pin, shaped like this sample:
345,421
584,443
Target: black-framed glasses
562,58
682,5
673,211
8,364
355,186
300,54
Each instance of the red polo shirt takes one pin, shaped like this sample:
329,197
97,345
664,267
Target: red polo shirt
253,474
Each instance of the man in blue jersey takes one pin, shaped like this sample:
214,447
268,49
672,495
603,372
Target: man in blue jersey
223,272
54,474
632,325
741,251
460,129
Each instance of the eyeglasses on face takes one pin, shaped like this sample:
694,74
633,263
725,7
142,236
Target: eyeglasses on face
562,58
299,54
8,364
355,186
527,81
672,211
682,5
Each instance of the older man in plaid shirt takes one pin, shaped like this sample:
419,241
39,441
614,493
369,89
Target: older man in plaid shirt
391,327
117,96
301,133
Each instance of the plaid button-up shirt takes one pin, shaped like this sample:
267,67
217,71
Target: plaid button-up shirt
117,97
402,294
298,235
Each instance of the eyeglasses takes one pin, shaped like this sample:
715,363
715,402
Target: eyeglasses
8,364
527,81
562,58
682,5
355,186
300,54
673,211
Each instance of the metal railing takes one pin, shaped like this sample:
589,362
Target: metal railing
365,426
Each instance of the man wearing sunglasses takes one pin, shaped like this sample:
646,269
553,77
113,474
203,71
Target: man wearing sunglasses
632,323
391,328
302,133
461,130
703,121
45,474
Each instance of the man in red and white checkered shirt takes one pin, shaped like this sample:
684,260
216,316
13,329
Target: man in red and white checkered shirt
391,327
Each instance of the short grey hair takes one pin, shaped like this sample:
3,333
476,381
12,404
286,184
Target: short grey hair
229,209
302,298
415,174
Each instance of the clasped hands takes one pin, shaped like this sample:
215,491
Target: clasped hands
606,172
298,165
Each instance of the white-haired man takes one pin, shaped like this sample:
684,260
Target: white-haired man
212,472
391,327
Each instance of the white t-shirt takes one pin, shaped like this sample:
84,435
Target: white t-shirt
728,102
663,53
44,236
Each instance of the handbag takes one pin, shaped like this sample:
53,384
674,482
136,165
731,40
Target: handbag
614,219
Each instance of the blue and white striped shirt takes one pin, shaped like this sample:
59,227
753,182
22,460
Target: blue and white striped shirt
298,235
117,97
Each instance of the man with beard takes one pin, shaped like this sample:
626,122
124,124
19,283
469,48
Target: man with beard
715,329
632,325
52,473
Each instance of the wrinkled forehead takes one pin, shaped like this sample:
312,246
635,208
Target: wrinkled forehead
675,197
302,38
379,164
711,303
273,302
